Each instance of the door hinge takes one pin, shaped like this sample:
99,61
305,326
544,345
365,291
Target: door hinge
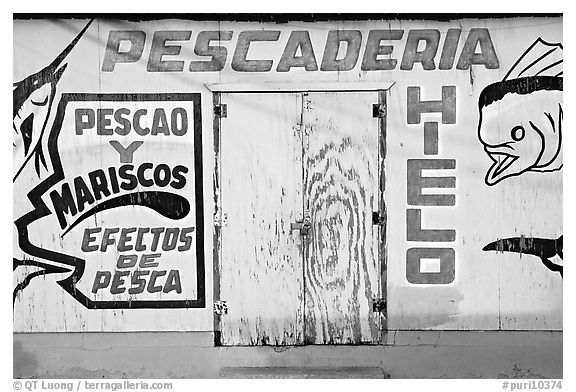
378,110
378,218
221,219
220,307
306,102
379,305
221,110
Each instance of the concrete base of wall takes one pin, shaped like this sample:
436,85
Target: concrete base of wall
406,354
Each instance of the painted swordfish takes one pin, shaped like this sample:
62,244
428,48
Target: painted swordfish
33,98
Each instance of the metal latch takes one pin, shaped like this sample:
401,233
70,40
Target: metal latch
221,219
379,305
378,218
220,307
221,110
378,110
302,225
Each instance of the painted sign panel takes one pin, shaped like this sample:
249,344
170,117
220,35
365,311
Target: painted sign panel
125,217
126,225
107,177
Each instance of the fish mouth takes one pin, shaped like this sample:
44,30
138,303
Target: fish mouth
503,158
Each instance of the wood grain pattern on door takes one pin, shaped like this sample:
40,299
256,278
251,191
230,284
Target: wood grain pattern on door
340,192
261,259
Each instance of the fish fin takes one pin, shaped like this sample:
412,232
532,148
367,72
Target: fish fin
39,159
552,267
43,159
553,162
540,57
551,119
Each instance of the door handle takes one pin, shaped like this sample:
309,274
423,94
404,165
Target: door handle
302,225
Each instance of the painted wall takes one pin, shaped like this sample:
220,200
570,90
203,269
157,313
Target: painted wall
438,276
408,354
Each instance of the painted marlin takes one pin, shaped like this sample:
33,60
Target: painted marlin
549,251
33,98
520,123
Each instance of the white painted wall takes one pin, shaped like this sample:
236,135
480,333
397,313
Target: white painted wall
490,290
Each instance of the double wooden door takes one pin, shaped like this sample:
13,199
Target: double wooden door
299,256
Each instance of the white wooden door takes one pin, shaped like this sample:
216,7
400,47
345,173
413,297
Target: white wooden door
342,274
285,157
261,258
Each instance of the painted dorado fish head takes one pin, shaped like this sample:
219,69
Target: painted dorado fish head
32,104
520,122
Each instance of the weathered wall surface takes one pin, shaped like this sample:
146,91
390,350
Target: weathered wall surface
408,354
490,158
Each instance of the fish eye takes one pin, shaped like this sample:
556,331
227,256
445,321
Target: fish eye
518,133
43,103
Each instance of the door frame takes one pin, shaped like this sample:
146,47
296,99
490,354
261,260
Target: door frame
290,87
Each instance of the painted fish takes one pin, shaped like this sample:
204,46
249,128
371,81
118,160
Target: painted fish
32,103
520,123
33,98
549,251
